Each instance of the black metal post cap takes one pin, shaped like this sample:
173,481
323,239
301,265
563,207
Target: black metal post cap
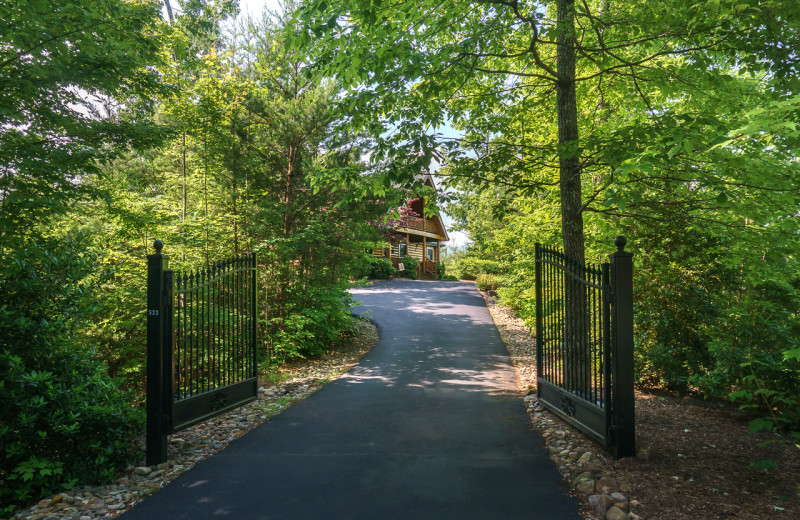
620,243
159,245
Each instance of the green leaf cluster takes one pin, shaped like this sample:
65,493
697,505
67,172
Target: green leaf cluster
63,421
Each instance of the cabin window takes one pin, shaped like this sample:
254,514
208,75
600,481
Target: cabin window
430,254
402,250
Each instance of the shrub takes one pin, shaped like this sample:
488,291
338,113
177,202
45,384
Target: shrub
487,282
362,266
757,364
469,267
521,299
62,418
714,318
381,268
63,421
314,321
411,265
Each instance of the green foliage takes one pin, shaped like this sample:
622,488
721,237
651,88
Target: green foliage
67,68
314,323
487,282
57,56
470,267
45,296
381,269
411,265
703,180
119,129
764,464
256,164
441,272
677,290
766,373
522,298
64,421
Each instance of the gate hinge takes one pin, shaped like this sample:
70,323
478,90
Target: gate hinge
609,292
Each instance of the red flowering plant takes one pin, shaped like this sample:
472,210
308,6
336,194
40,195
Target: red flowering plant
399,218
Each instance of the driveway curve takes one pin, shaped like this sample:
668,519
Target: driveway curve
428,425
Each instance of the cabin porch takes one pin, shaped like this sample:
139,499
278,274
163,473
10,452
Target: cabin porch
425,250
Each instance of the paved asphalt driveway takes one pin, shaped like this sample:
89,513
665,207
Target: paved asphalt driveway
429,425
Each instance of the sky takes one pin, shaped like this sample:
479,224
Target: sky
255,7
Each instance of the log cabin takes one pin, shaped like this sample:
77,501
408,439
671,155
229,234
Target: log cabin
417,236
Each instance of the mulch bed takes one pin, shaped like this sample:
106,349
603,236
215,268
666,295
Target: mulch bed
694,462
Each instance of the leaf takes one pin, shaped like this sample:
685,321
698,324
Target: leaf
759,424
791,354
765,392
764,464
745,394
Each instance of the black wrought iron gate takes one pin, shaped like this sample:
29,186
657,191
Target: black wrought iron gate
201,344
584,344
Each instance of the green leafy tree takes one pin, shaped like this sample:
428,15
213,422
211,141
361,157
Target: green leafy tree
486,65
59,62
256,163
674,125
306,222
77,78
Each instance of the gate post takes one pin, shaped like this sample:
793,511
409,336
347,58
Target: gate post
539,309
254,314
156,445
624,401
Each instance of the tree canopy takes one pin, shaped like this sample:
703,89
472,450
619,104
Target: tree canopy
652,86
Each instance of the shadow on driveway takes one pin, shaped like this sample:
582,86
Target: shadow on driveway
429,425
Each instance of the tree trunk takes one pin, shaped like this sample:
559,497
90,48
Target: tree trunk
289,193
576,358
169,10
235,212
183,196
569,158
